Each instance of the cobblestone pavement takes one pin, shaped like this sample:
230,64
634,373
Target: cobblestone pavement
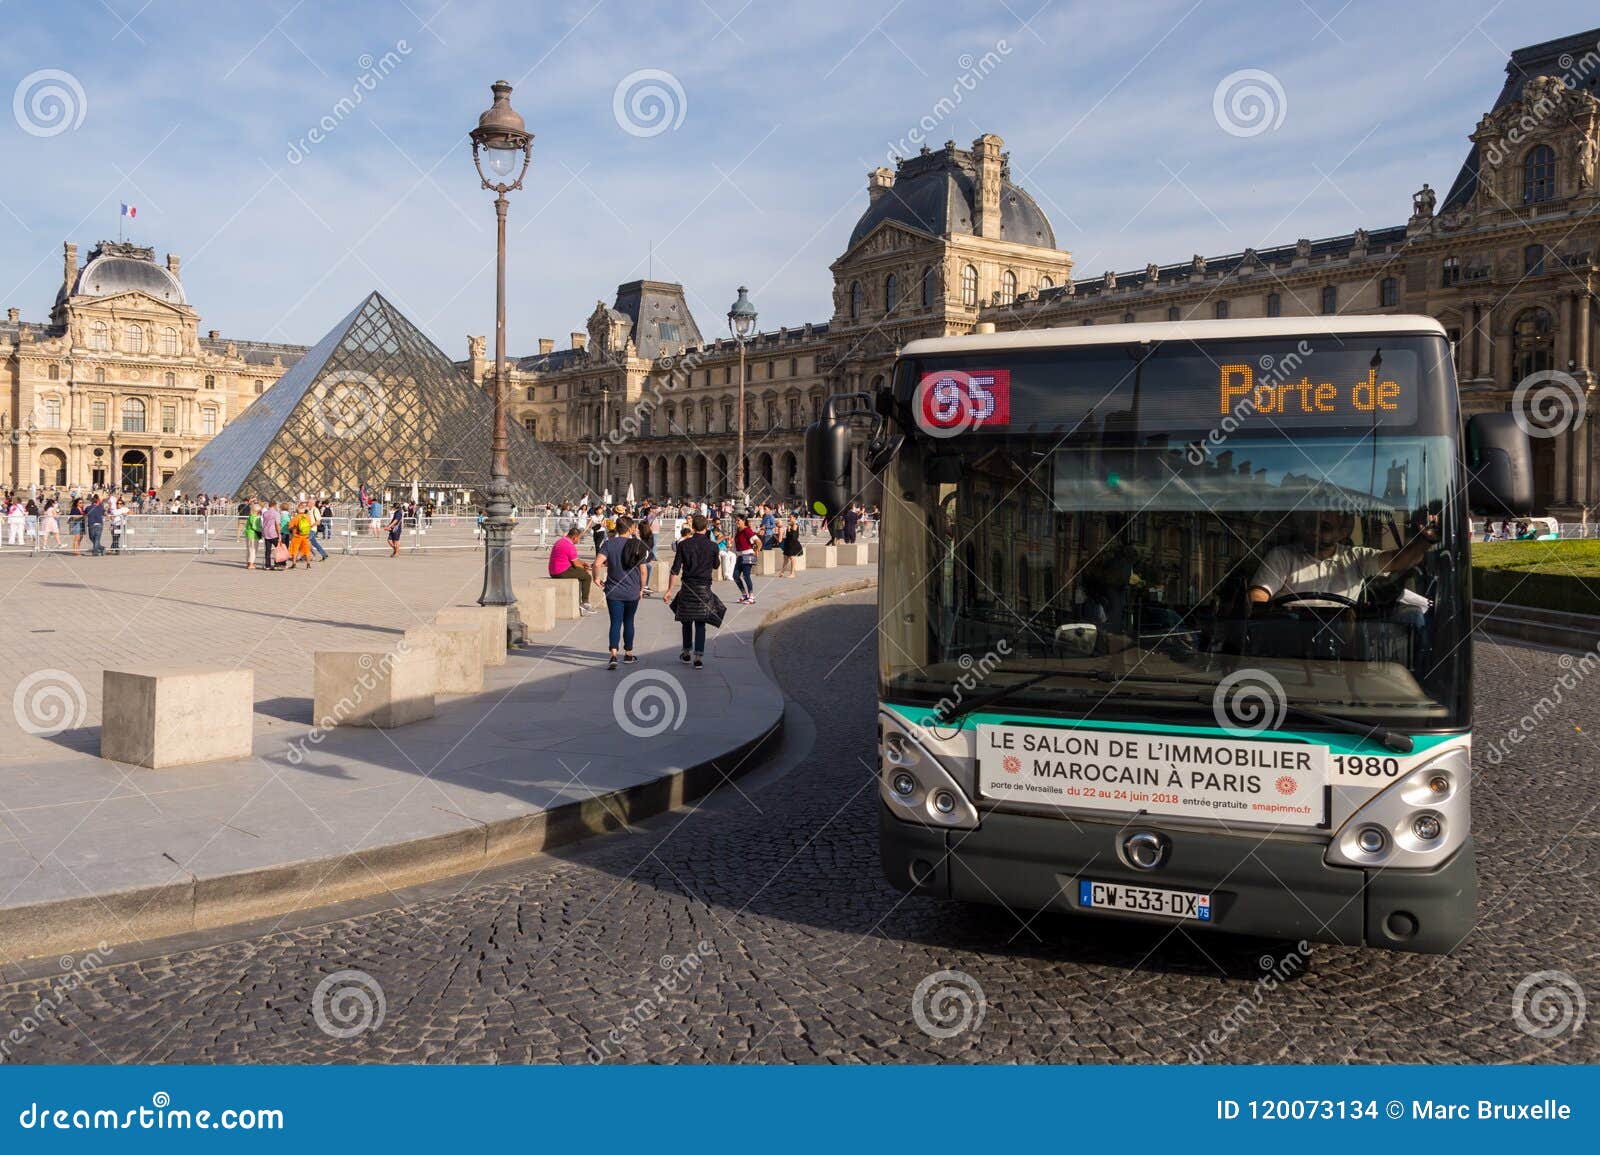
759,929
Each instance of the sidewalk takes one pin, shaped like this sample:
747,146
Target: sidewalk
556,746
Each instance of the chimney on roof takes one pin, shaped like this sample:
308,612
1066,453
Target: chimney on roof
213,334
69,267
172,263
879,181
580,340
547,345
986,157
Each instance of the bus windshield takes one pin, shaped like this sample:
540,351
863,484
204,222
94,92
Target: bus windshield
1154,524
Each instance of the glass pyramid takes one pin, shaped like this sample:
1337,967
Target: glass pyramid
374,403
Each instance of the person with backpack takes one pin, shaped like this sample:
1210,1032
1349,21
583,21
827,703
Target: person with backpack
623,555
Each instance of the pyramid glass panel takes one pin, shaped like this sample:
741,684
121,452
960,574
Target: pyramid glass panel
375,404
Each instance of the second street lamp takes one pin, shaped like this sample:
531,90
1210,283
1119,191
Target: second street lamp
503,145
742,324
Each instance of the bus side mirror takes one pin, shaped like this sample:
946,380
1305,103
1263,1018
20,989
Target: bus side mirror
828,465
1499,466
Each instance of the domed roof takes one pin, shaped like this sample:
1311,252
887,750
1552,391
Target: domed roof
121,269
937,193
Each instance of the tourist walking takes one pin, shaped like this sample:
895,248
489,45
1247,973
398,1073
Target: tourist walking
252,533
75,525
397,522
50,523
623,555
791,546
271,535
94,519
300,526
16,517
119,524
694,565
746,544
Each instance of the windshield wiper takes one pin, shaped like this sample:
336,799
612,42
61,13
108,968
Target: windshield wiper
953,713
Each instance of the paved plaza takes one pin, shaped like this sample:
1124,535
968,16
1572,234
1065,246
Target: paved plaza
91,849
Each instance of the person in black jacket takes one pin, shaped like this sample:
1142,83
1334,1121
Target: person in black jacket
693,565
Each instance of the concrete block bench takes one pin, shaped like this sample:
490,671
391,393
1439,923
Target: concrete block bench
176,717
872,553
490,622
457,656
852,553
769,563
566,592
537,604
822,556
382,688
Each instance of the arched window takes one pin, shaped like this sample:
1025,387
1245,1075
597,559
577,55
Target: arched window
52,413
1532,339
1539,175
1533,261
855,300
1330,299
169,380
969,286
1389,292
133,415
1008,287
927,287
1172,312
135,339
100,336
211,381
55,373
1047,282
1274,305
1222,310
169,341
891,293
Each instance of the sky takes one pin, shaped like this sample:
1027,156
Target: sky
298,153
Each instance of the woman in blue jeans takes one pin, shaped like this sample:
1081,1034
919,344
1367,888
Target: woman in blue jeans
746,542
623,588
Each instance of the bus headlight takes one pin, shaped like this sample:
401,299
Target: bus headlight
1417,822
916,787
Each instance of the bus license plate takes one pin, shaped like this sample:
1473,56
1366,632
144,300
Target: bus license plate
1144,900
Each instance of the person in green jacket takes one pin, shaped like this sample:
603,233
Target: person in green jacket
252,535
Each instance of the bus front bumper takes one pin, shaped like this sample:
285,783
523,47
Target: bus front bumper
1272,888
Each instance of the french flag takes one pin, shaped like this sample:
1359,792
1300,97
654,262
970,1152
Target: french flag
130,211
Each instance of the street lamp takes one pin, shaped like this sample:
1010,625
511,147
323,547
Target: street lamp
742,324
500,136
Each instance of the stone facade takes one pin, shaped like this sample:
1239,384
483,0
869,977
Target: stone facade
119,388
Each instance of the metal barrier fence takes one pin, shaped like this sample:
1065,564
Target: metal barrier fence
346,534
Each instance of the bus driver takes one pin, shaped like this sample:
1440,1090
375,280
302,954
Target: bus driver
1323,561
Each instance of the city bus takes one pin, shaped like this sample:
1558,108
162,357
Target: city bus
1174,621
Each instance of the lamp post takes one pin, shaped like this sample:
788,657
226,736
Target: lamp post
742,324
500,136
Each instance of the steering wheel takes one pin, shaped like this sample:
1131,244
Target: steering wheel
1284,601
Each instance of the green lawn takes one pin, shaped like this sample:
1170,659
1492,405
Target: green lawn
1552,575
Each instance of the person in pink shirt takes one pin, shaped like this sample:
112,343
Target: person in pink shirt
564,563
